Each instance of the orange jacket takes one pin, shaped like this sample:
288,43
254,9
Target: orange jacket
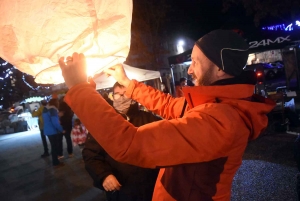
179,92
200,151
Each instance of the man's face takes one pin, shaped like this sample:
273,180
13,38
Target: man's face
118,92
202,70
183,83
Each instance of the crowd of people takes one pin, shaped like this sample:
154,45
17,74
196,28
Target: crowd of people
115,178
56,122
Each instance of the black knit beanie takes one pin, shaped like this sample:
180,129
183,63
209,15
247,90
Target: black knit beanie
226,49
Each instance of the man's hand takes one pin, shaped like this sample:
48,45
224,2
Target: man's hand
73,69
92,82
119,74
111,183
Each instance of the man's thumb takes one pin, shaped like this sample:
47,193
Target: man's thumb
92,82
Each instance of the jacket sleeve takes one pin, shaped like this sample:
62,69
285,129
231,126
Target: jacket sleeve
196,137
160,103
94,160
55,120
38,112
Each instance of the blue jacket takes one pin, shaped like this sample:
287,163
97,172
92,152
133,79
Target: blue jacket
51,121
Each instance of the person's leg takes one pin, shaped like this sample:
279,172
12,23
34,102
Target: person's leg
60,145
69,142
45,145
54,142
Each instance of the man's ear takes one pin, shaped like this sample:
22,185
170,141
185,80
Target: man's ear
220,73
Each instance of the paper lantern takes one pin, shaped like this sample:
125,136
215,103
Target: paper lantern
36,33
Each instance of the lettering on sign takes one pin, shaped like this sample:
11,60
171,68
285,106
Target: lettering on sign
266,42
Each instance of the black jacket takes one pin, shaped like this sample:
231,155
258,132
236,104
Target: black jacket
137,183
66,119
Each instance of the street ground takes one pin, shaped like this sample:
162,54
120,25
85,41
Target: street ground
268,172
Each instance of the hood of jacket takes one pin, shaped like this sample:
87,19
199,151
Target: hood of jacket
252,108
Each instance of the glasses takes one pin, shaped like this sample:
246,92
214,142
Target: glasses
117,96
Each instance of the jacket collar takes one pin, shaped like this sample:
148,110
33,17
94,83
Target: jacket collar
208,94
239,87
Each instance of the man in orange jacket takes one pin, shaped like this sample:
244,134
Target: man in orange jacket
200,143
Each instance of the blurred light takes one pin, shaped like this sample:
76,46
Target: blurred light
187,63
181,42
259,74
289,27
180,46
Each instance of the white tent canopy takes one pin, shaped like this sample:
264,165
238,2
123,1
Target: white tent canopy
103,82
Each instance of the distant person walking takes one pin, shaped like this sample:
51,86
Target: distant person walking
53,129
38,113
66,117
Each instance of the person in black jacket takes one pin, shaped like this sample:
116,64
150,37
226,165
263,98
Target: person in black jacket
122,182
66,116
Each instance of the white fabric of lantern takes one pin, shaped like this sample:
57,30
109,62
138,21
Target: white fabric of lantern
34,34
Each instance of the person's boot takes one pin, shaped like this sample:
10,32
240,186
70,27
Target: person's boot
46,154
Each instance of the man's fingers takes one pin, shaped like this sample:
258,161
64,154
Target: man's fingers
92,82
61,62
109,71
75,56
81,56
118,187
69,58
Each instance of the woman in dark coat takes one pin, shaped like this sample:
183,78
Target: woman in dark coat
136,183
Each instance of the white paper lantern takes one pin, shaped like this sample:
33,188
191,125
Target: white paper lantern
35,33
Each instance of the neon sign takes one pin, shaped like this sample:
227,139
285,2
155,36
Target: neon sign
283,27
266,42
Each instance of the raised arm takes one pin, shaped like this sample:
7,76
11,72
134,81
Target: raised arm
160,103
158,144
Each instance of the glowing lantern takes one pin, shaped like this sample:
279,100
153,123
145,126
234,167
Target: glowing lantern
35,33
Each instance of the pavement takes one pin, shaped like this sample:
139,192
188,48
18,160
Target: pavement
268,172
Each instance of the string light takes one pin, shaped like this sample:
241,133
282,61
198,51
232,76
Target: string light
283,27
35,89
23,78
9,71
3,64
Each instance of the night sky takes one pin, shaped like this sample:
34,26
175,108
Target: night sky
195,18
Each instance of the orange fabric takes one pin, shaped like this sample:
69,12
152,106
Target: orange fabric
208,130
179,92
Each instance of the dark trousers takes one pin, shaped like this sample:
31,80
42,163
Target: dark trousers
54,141
45,145
67,136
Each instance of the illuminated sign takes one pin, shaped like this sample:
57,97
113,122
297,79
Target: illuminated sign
266,42
283,27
